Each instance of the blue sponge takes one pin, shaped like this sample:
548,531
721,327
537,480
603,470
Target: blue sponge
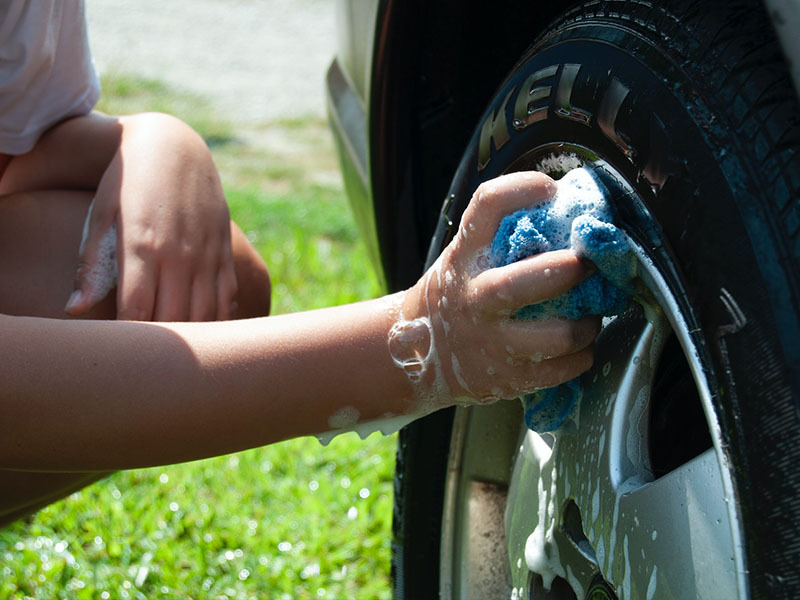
578,218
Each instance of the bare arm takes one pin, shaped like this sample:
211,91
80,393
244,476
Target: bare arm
108,395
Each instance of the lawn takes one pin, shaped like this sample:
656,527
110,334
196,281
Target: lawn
292,520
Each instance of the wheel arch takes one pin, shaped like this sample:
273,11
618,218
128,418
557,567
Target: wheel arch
435,67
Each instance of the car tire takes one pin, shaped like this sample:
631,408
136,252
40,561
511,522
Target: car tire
687,112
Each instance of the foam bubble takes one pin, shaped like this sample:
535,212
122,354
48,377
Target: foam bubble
411,345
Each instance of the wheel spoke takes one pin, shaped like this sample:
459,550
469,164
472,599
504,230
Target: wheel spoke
675,530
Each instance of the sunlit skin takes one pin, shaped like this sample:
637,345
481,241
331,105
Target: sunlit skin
103,395
153,177
180,256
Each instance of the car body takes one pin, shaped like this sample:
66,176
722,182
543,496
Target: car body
686,108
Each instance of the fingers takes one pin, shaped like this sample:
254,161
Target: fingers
203,303
227,288
502,196
97,266
556,371
515,377
529,281
539,340
136,290
530,377
175,289
174,295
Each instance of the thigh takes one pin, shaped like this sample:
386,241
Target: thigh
40,233
26,492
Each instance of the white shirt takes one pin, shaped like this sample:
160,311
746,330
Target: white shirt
46,69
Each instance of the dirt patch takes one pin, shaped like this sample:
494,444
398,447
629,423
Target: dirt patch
255,60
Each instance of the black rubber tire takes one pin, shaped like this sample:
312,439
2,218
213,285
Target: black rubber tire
692,103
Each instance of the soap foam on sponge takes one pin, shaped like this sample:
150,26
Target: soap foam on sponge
579,218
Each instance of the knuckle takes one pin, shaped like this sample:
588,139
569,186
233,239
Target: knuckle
486,193
143,246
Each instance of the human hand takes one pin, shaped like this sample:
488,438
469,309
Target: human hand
456,336
162,193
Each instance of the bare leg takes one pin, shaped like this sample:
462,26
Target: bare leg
39,238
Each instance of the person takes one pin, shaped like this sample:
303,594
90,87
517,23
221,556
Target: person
130,381
149,177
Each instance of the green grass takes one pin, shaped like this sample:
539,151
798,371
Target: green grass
292,520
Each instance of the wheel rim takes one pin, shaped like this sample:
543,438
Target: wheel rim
598,510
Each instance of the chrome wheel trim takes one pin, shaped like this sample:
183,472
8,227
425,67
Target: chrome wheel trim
523,510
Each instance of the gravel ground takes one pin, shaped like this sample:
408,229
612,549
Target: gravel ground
255,60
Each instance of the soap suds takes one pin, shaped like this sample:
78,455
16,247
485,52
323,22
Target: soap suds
101,277
347,416
578,217
559,163
386,426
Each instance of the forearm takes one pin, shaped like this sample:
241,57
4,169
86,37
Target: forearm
108,395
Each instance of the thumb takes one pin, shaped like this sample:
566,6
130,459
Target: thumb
97,266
